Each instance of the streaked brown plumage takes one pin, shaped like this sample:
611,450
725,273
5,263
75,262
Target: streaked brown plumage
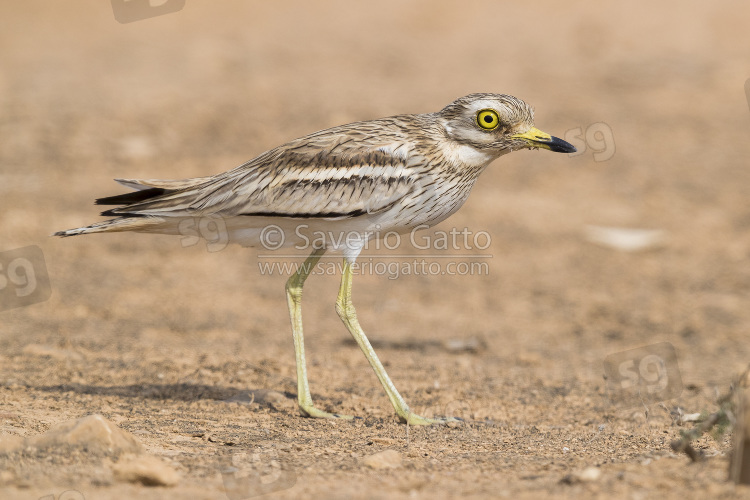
367,178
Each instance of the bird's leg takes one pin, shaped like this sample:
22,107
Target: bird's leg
294,298
345,310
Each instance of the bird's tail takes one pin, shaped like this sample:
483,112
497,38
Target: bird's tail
140,224
143,190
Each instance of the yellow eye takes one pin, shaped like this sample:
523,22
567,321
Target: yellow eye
488,119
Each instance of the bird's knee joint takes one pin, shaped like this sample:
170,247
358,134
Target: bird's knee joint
294,291
343,308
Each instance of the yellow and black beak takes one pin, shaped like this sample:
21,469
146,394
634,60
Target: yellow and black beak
538,139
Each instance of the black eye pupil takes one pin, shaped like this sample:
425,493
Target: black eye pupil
488,119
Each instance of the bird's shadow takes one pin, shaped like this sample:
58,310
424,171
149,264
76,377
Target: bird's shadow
180,392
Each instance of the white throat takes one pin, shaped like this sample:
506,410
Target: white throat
462,154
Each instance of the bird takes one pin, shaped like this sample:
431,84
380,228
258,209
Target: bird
361,180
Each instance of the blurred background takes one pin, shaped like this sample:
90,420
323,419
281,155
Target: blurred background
653,94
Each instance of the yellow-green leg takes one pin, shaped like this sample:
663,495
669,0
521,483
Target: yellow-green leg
345,310
294,298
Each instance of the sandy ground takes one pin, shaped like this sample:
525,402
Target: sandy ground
190,349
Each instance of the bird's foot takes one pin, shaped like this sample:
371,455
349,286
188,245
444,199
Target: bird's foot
313,412
414,419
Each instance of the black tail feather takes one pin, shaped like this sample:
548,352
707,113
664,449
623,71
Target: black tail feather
115,213
129,198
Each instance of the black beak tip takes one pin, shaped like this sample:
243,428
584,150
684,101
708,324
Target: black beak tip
559,146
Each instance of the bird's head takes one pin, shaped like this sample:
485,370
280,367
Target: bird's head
496,124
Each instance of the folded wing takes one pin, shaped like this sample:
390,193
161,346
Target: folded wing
341,172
